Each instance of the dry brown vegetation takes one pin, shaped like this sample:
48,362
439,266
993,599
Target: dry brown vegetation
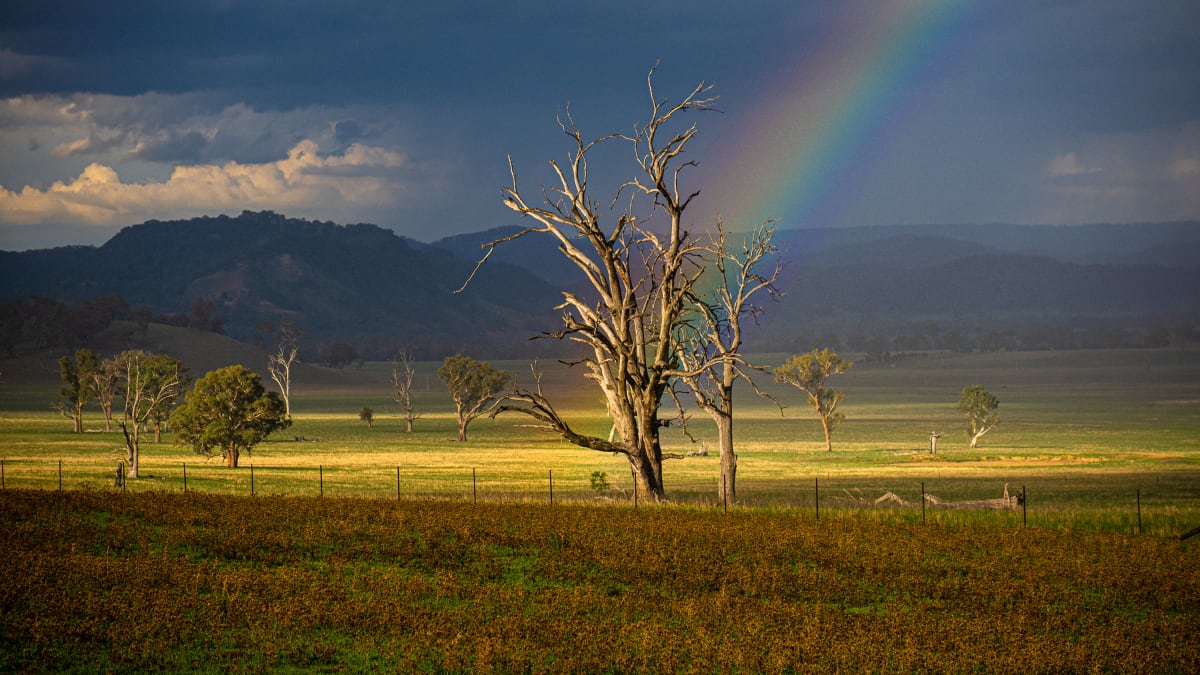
127,582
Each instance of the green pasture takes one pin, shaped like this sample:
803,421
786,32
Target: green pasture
1088,434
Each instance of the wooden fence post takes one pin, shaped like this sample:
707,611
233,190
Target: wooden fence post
251,480
551,487
1139,505
397,483
474,491
817,496
60,475
1024,507
321,478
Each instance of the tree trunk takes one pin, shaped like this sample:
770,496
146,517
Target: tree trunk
462,431
78,420
647,480
727,490
157,432
408,424
131,449
231,457
828,441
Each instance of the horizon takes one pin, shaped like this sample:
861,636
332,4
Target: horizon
779,230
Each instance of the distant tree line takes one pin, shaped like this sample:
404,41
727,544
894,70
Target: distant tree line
882,341
39,322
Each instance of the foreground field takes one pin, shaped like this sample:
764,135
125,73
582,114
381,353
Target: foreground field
132,582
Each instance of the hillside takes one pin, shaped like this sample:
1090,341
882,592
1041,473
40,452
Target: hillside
359,284
874,289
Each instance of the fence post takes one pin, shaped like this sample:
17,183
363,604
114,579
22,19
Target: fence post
1024,507
185,478
1139,507
397,483
60,475
724,493
817,495
551,487
251,480
635,505
2,485
474,493
321,478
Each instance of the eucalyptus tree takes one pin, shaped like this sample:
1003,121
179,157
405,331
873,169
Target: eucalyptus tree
228,412
808,373
474,386
149,385
710,341
281,361
404,375
639,265
979,405
78,384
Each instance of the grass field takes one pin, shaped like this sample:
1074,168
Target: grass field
1088,434
110,582
370,549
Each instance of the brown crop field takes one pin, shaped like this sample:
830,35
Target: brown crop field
109,582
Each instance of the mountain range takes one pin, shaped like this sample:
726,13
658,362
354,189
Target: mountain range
366,286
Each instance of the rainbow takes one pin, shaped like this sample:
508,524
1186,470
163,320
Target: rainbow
833,106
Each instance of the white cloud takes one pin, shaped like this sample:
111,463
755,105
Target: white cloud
304,181
1068,165
1129,177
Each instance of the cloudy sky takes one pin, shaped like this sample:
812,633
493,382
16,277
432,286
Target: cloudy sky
403,113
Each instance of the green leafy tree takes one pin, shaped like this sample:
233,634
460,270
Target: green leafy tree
148,385
78,384
808,373
979,406
474,385
228,412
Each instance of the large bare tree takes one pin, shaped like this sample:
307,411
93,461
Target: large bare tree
711,338
640,266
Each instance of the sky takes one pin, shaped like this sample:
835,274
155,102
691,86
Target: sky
405,114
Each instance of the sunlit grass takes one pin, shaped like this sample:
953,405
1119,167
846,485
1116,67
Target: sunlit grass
1082,431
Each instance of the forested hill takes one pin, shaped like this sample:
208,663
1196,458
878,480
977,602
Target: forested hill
907,287
887,288
358,284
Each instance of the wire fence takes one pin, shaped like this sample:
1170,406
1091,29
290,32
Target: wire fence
1055,503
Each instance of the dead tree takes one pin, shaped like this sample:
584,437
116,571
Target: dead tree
640,266
280,362
404,373
711,339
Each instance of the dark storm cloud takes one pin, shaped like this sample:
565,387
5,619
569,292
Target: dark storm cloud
1054,110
